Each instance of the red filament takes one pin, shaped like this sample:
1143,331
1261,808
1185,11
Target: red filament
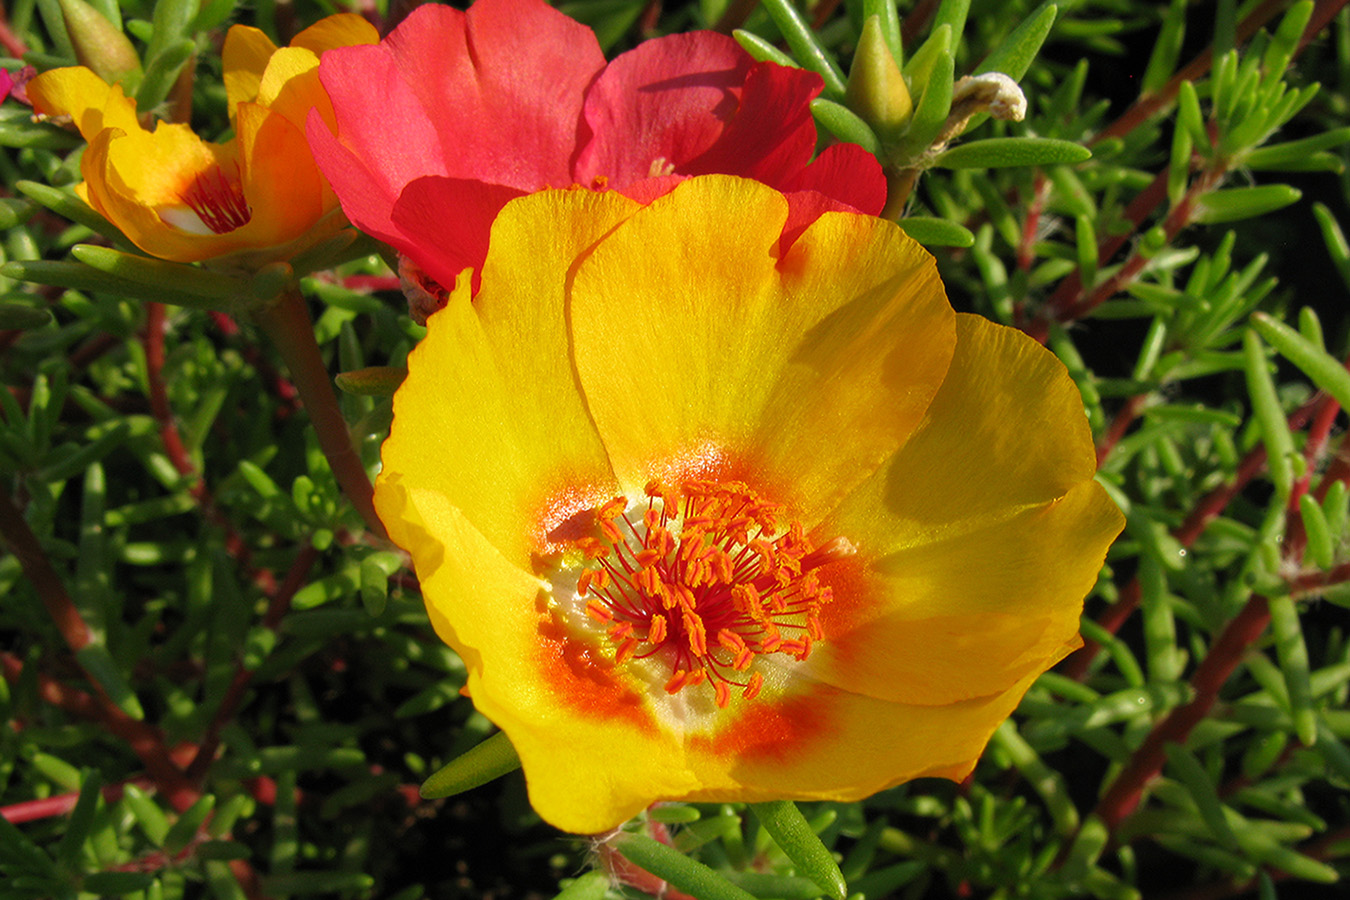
706,579
218,201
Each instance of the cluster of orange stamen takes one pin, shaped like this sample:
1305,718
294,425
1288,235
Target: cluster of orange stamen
706,579
218,201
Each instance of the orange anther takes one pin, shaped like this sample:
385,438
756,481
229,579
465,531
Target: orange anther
593,548
772,640
723,694
684,597
730,640
695,633
746,600
646,580
659,539
656,629
722,565
723,559
753,688
611,531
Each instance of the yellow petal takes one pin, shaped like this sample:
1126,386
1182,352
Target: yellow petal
89,100
281,180
285,66
969,615
691,332
248,51
490,416
340,30
858,382
582,736
134,179
830,744
1006,432
244,59
592,752
979,538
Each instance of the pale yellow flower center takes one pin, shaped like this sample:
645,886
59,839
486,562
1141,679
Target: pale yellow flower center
704,578
216,202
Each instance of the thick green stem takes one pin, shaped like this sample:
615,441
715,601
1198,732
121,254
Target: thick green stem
899,185
287,323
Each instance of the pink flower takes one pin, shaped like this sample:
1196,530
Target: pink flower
454,114
16,84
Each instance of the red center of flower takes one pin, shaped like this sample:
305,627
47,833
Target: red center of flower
218,201
707,579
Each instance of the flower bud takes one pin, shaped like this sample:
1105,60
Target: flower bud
876,88
99,44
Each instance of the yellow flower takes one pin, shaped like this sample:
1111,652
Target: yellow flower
712,520
182,198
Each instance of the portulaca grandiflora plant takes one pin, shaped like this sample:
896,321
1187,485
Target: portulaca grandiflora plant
715,450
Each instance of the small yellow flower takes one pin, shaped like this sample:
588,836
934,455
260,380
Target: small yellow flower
182,198
712,518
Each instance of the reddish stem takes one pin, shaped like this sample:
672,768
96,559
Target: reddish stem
1315,582
1120,424
624,871
49,807
822,13
1205,511
1067,303
917,21
1079,306
13,44
172,439
35,564
1124,794
234,695
144,740
287,323
1138,210
372,283
1147,106
155,323
1040,193
92,349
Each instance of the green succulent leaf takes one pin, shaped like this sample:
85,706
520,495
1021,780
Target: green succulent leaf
997,152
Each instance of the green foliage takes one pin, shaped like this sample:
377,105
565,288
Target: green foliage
220,684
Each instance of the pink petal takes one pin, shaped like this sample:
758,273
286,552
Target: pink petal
846,172
494,94
772,136
804,207
665,103
443,224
